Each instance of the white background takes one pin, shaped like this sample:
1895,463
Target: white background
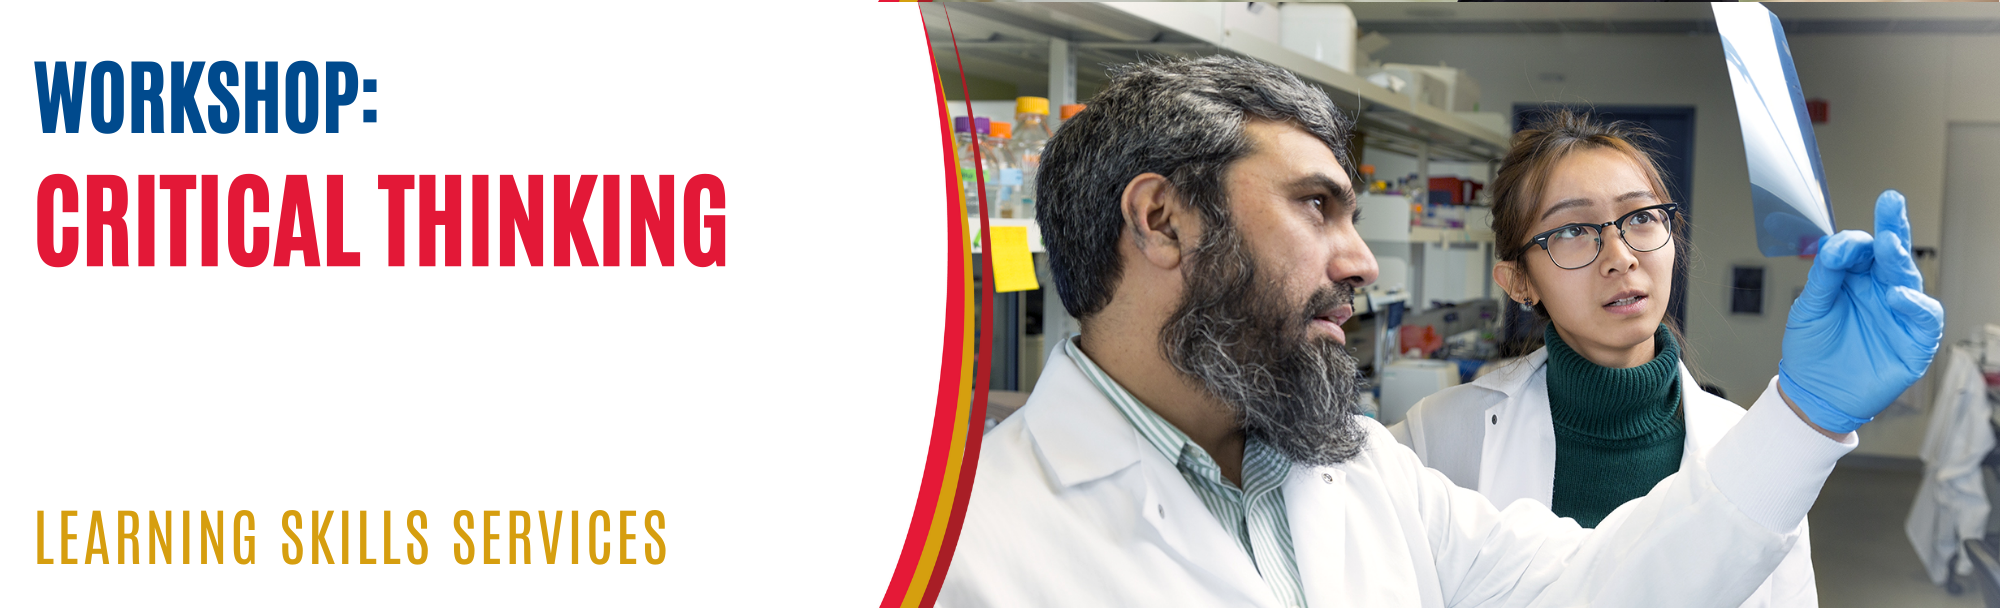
777,409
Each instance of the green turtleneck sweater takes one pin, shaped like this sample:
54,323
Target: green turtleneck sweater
1618,431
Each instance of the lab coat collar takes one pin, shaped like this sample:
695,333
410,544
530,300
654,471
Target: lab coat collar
1707,417
1078,431
1082,437
1518,458
1512,378
1518,454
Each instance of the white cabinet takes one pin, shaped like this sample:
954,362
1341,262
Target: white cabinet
1385,218
1432,264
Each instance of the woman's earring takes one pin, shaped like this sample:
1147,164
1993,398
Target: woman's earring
1525,307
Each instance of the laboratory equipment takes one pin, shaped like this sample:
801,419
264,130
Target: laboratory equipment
1439,86
1384,218
1407,381
1323,31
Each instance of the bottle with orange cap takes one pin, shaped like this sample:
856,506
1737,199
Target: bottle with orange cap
1070,109
1031,134
1003,173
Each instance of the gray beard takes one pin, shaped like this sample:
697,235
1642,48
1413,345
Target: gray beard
1252,350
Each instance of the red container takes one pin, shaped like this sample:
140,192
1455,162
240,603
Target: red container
1462,190
1449,184
1423,338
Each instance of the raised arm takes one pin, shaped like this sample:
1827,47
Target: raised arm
1706,536
1858,336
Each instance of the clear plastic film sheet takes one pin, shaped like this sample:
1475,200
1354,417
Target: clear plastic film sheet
1787,183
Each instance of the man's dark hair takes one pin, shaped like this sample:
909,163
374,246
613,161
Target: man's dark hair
1180,118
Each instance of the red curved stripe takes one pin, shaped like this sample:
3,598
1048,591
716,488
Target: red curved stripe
945,423
982,361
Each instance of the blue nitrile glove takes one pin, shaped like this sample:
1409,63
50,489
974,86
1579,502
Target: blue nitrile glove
1863,330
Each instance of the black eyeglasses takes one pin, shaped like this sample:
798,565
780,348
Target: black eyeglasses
1573,246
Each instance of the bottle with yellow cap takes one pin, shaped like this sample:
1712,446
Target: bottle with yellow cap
1003,173
1031,134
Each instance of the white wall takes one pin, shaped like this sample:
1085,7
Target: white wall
1970,289
1891,97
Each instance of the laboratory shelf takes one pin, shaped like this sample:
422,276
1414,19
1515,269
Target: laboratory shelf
1447,236
1037,48
1034,231
1027,42
1418,234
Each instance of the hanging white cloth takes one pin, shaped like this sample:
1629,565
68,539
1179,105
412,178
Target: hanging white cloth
1951,503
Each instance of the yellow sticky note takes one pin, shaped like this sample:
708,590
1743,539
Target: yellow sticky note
1013,267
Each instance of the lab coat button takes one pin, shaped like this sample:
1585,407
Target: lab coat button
1496,419
1326,476
1163,511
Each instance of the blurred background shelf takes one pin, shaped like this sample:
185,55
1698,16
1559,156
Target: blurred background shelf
1446,236
1409,135
1034,232
1036,47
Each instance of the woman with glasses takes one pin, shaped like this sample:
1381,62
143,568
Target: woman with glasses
1588,240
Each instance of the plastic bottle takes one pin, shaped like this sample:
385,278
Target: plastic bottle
1003,171
1031,134
966,131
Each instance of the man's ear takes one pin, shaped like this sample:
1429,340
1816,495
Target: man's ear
1161,226
1513,277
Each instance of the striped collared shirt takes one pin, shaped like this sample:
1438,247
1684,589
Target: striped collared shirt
1254,514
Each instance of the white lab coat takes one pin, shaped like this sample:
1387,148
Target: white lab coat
1495,435
1071,507
1951,502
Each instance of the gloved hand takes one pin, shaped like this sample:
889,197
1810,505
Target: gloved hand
1863,330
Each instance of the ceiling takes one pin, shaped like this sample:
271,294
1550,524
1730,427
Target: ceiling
1673,18
1009,42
